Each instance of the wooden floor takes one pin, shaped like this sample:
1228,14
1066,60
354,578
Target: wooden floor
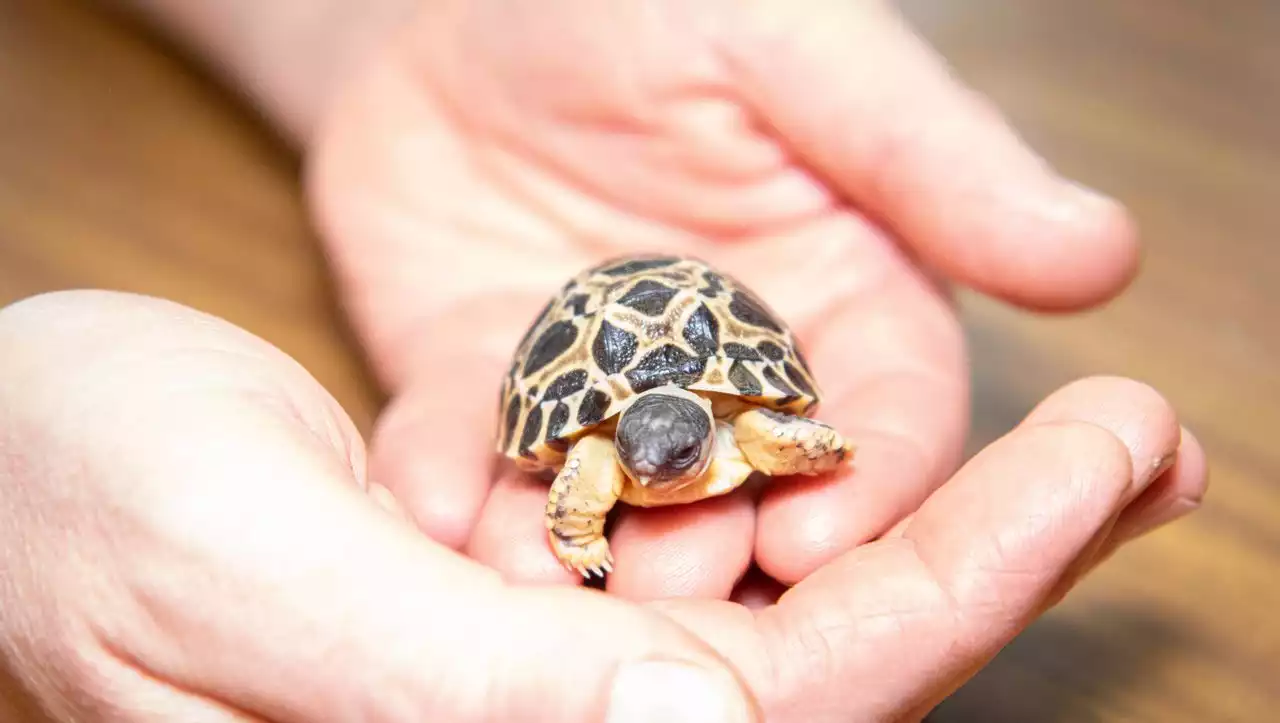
122,168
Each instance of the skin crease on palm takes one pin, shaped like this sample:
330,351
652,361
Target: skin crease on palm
819,152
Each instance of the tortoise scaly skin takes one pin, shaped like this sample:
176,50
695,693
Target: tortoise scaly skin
656,380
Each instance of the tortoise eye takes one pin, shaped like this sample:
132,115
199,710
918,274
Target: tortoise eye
686,454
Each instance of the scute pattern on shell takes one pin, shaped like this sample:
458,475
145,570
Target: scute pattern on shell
634,323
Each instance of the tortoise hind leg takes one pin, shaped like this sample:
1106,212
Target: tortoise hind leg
785,444
584,491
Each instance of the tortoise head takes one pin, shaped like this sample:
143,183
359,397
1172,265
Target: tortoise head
665,438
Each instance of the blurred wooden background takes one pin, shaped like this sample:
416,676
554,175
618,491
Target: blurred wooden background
121,167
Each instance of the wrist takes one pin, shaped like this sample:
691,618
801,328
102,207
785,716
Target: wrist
285,57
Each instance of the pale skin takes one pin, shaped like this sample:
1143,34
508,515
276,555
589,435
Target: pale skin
232,517
521,141
747,439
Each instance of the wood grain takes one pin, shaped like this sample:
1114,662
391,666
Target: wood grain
1173,107
122,167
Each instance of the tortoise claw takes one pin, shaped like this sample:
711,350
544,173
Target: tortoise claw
585,558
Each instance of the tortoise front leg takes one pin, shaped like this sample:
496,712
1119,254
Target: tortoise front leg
784,444
580,499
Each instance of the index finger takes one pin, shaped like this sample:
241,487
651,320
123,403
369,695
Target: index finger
971,570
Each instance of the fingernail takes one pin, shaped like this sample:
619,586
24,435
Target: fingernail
1087,199
1160,466
671,692
1075,203
1158,517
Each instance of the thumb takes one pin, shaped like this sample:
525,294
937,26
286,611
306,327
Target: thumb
572,654
350,613
235,555
870,106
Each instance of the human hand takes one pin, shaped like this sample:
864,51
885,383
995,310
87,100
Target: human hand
821,154
815,150
188,533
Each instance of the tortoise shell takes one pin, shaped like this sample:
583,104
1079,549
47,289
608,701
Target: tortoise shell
632,324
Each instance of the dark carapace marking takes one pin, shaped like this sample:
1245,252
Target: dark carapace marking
714,286
613,348
553,342
797,378
627,268
532,426
744,381
555,422
668,364
702,331
771,351
577,304
566,384
734,350
648,297
749,311
593,407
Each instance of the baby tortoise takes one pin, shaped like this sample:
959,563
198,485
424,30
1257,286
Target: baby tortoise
655,380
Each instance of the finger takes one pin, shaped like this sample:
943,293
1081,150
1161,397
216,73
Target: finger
510,535
890,359
415,617
981,554
433,446
248,536
1175,494
1148,427
1176,481
757,591
1134,412
698,550
880,116
970,571
1180,480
